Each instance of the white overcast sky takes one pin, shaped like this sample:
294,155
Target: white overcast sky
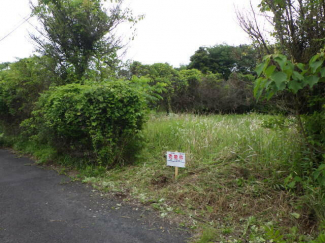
171,31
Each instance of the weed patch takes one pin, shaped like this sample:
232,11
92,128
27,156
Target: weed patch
235,187
233,183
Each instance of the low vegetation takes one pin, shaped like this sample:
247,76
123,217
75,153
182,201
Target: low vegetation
237,184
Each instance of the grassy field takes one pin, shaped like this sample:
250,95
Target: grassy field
234,187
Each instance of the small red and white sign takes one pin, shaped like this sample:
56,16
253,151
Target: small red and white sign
176,159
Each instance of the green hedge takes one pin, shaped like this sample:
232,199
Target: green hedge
101,120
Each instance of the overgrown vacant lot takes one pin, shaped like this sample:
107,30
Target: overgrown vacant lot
233,184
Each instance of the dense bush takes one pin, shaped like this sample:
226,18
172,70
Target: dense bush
101,120
186,95
20,85
210,93
190,90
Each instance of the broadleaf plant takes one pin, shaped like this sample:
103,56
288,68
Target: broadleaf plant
277,73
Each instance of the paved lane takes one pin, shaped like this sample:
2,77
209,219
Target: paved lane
38,206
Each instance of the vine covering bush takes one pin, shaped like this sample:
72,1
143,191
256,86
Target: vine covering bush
102,120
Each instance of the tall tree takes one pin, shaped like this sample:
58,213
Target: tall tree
78,34
224,59
298,27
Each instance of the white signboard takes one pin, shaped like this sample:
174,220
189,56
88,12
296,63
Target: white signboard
176,159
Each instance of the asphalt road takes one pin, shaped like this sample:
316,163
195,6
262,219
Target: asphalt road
39,206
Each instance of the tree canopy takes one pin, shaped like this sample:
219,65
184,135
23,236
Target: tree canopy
79,34
224,59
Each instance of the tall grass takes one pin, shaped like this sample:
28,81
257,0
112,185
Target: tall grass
217,138
235,168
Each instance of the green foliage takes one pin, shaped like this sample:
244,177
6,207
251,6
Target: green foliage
209,93
273,235
42,152
164,75
224,59
163,78
93,171
230,181
150,92
138,69
20,86
208,235
78,35
191,76
232,185
299,74
275,122
293,70
315,128
320,239
276,73
102,120
189,90
319,175
4,65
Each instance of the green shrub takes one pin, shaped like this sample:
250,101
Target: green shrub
101,121
20,86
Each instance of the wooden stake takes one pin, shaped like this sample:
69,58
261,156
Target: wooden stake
176,172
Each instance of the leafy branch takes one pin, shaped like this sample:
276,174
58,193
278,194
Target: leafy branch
276,73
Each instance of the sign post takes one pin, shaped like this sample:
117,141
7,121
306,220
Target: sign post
176,159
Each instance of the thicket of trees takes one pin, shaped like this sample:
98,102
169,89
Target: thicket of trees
225,59
191,90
